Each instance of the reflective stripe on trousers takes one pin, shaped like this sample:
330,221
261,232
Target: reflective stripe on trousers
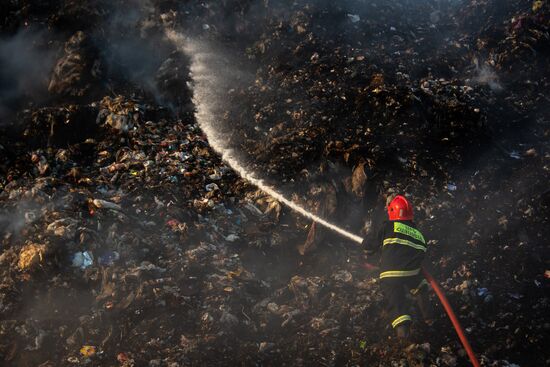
400,319
399,273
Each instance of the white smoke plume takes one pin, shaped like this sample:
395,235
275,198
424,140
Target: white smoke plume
487,76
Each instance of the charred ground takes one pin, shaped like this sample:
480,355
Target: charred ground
345,103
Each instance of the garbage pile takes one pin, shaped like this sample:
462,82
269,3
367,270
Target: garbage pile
126,240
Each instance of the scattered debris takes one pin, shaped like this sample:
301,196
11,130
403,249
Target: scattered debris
134,241
30,256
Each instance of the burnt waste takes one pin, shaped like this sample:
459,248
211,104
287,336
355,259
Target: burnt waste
126,239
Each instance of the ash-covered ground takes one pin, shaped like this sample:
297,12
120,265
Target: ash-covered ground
127,241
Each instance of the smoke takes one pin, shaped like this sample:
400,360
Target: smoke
24,213
12,222
127,49
130,41
487,76
25,64
137,57
206,66
125,52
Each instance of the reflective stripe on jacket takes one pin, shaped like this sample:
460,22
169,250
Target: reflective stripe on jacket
403,249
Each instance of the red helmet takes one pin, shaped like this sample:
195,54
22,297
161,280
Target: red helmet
400,209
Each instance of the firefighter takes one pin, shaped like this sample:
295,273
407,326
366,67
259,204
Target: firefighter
403,248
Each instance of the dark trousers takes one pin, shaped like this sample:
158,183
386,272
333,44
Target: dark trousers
396,291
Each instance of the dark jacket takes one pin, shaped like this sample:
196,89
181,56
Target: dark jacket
403,248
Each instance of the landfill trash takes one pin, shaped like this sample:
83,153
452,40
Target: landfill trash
232,238
65,227
105,204
482,292
31,255
343,276
179,261
537,4
76,70
108,258
515,155
354,18
531,152
82,260
435,16
211,187
515,296
88,351
359,178
265,347
447,359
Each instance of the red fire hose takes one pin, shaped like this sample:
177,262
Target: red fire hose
453,317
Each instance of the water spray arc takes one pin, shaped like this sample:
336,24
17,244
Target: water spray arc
205,84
